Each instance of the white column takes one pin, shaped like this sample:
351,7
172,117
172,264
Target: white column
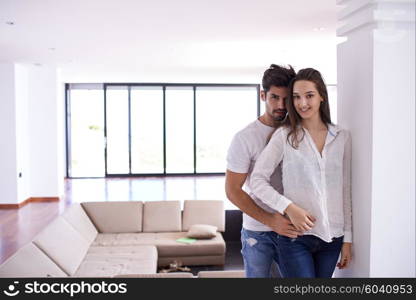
8,159
46,180
376,102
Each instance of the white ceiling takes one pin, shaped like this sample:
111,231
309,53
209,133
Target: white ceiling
179,41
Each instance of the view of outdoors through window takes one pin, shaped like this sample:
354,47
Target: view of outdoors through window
136,140
117,130
86,133
221,112
179,130
146,130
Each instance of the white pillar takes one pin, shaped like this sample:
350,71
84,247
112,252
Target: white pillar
46,179
376,102
8,156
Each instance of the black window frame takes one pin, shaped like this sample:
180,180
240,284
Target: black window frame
129,85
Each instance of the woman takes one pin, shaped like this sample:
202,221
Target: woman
316,159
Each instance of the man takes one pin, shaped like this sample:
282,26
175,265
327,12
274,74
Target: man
259,221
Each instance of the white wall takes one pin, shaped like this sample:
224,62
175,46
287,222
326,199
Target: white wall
355,102
43,120
31,133
61,138
8,164
376,101
393,213
22,132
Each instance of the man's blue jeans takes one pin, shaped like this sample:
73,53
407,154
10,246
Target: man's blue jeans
308,256
259,253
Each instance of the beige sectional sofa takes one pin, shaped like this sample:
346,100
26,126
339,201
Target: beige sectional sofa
107,239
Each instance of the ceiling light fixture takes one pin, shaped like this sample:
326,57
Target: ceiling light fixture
10,23
319,29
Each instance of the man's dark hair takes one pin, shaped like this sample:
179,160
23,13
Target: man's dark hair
278,76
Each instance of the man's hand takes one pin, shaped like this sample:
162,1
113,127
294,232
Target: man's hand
282,226
278,223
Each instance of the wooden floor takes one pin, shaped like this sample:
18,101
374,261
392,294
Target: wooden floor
19,226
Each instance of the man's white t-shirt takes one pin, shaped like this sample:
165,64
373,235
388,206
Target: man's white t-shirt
245,147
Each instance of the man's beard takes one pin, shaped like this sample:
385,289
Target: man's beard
278,120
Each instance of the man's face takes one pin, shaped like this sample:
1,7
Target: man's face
275,102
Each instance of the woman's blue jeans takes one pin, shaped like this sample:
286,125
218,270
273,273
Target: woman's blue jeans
308,256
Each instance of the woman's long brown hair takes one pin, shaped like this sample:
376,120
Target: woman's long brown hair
296,132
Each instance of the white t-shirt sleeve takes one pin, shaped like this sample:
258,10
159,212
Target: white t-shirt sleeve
265,165
238,156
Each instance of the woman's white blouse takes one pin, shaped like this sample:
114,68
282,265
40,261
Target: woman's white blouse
319,184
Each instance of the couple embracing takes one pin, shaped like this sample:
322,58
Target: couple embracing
295,166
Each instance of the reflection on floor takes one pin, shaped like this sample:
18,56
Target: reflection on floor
19,226
233,260
148,189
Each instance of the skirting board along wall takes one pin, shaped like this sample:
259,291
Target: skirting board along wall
33,199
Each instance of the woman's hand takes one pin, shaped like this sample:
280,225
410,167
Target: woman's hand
300,218
346,256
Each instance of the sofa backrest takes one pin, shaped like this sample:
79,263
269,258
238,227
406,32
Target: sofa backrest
76,216
30,261
63,244
162,216
115,216
209,212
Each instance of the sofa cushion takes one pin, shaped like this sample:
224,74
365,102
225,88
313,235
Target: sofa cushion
125,239
30,261
113,261
162,216
168,246
202,231
209,212
76,216
63,244
114,216
165,242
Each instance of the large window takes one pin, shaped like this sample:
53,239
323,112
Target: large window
146,130
154,129
85,123
221,112
179,130
157,129
117,130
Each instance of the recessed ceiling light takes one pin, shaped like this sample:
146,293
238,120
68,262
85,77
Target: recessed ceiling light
52,49
319,29
37,64
10,23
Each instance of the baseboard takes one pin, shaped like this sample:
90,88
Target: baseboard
29,200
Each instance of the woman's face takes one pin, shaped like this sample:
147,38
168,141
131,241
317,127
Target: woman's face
306,99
